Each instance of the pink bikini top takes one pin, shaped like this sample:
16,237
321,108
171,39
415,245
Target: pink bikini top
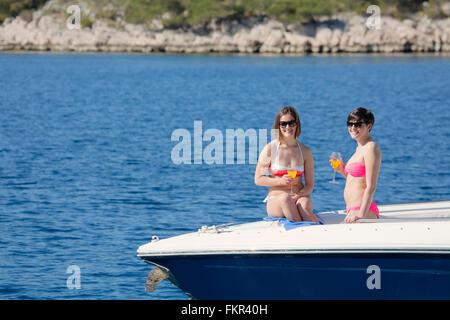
355,169
276,169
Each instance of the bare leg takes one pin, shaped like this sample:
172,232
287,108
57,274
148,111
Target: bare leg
305,207
283,206
371,215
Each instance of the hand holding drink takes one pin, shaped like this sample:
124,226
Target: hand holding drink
292,174
336,162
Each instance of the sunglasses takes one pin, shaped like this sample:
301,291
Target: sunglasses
355,124
284,124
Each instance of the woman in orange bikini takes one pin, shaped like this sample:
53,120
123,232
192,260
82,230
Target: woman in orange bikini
361,170
288,197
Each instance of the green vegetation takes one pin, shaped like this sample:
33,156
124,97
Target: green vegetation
178,13
86,22
12,8
193,12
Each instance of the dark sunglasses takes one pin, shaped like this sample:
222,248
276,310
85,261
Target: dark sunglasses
355,124
291,123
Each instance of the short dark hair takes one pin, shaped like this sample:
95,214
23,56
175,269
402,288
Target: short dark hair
362,114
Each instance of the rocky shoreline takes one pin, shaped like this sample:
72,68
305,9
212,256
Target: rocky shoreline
344,33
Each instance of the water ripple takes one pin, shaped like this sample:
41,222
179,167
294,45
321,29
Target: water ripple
86,172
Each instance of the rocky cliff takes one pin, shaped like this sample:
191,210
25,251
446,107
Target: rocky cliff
344,33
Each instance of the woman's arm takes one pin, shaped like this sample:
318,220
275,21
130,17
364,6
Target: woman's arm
372,161
261,168
308,174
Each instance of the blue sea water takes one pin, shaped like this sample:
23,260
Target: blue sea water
86,167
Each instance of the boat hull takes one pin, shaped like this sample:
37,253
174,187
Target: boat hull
313,275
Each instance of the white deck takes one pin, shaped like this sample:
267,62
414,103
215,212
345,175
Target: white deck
413,227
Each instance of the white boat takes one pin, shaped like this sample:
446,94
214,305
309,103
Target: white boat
403,255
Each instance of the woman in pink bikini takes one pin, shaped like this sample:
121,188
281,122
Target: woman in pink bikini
288,197
362,168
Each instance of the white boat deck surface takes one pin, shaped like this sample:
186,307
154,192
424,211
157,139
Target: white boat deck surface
413,227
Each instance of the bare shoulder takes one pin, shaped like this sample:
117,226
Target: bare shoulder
372,148
306,150
268,148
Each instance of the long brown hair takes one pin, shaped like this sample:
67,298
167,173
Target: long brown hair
287,110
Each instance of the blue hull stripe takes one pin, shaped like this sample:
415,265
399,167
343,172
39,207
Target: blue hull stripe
312,275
